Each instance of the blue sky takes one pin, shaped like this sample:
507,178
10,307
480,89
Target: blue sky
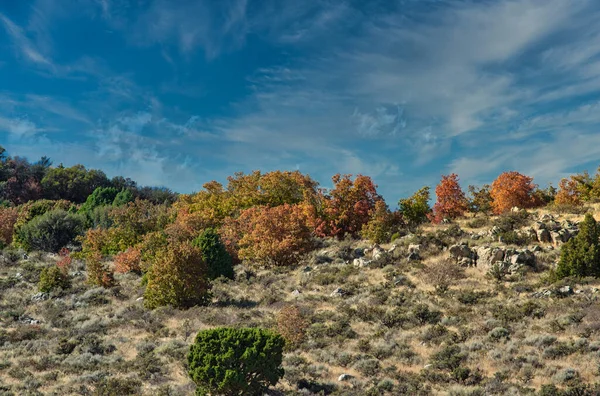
178,93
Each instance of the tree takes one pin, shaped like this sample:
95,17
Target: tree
235,361
415,209
512,189
348,206
383,224
97,271
580,256
178,276
215,254
74,184
129,261
480,199
52,278
51,231
569,192
276,236
292,325
451,201
8,219
101,196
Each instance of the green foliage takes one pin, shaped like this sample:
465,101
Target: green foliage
449,358
101,196
52,278
215,255
235,361
177,277
51,231
415,209
580,256
74,184
123,198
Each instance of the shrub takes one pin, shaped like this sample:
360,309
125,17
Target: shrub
128,261
383,225
52,278
101,196
236,361
451,201
569,192
415,209
449,358
8,218
442,274
292,325
51,231
480,199
275,236
512,189
177,277
97,271
580,256
217,259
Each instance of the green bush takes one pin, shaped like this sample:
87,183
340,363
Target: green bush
215,255
415,209
177,277
580,256
51,231
235,361
101,196
52,278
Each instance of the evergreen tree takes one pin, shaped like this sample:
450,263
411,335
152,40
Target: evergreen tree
580,256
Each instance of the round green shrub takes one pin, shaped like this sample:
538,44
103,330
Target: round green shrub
215,255
236,361
52,278
51,231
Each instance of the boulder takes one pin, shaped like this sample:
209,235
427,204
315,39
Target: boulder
460,251
361,262
378,253
487,256
339,292
345,377
296,293
539,225
414,256
414,248
543,235
41,296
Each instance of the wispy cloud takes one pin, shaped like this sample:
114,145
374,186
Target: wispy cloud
23,45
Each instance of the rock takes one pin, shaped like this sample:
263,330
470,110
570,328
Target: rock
496,230
556,238
537,249
139,299
378,253
414,248
465,262
76,273
41,296
345,377
18,275
579,291
539,225
28,320
460,251
339,292
445,220
543,235
546,217
296,293
427,366
307,269
553,225
414,256
25,256
515,209
487,256
361,262
394,247
531,234
566,290
400,280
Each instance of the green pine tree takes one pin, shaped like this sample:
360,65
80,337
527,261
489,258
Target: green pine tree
580,256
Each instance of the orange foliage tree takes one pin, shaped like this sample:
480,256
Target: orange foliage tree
292,325
270,236
347,207
569,192
512,189
451,200
129,261
8,219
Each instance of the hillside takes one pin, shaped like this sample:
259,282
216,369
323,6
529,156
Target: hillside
379,328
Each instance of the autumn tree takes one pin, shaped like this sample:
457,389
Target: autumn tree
73,184
129,261
569,192
270,236
382,225
512,189
451,201
8,219
415,209
98,273
292,325
348,206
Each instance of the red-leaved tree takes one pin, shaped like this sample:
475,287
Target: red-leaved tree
451,201
8,218
569,192
512,189
348,206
